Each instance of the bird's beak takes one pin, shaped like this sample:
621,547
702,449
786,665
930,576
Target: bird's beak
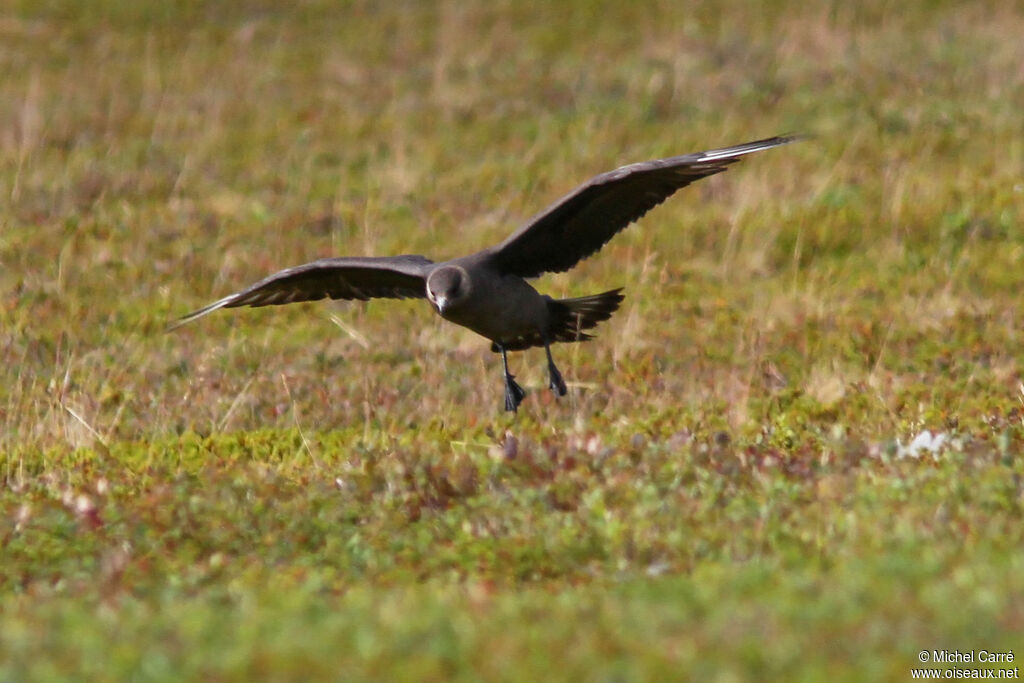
441,303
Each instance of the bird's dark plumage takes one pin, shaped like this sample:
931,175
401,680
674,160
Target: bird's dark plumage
487,291
365,278
570,318
583,221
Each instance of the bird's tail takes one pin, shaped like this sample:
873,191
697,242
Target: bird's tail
571,317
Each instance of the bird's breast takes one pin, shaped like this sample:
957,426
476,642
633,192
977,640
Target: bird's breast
499,307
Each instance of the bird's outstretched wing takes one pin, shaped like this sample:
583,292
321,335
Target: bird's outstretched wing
580,223
395,277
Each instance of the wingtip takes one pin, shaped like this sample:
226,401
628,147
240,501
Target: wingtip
737,151
795,137
171,327
195,315
783,139
182,321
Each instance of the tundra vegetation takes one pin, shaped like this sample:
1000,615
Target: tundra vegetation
795,452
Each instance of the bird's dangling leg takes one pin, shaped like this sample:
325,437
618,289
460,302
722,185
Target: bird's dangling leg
557,383
514,393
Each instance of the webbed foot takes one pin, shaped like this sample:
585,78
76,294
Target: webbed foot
557,384
514,394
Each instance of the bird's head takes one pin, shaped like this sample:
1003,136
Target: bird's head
447,287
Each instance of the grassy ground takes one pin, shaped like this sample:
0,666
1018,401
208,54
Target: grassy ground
331,490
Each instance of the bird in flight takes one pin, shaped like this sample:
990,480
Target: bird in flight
488,291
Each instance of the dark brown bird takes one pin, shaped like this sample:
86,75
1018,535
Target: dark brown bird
487,291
